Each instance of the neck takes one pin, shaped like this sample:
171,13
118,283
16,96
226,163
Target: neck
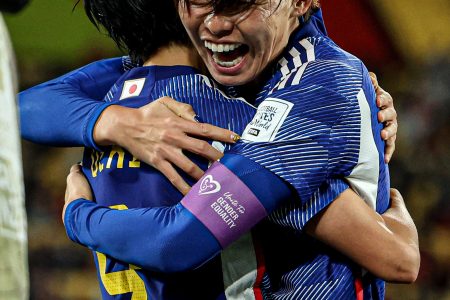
175,55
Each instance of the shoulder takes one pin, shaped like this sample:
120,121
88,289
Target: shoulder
319,61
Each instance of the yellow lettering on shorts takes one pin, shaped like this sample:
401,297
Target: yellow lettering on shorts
121,282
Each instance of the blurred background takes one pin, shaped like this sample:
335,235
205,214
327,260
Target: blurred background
407,44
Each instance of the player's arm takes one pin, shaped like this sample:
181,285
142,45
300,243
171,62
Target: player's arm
60,112
229,200
67,111
185,236
386,245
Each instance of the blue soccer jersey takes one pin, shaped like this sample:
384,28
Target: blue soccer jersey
315,128
120,181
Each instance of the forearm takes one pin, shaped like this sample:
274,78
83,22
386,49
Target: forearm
183,237
354,229
400,223
62,112
166,239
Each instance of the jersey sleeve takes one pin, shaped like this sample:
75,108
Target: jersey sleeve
309,136
63,111
229,200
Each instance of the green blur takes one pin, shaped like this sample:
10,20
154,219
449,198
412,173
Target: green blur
51,31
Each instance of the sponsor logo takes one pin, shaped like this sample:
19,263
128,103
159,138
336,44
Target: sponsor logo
209,186
132,88
253,131
267,121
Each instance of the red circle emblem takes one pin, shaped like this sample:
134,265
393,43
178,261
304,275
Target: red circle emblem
132,89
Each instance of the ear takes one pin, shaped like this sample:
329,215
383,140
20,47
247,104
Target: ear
300,7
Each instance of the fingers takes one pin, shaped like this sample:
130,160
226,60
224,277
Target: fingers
182,110
373,78
185,164
384,99
77,187
388,152
396,198
172,175
201,148
388,114
389,131
389,134
191,124
211,132
75,168
175,139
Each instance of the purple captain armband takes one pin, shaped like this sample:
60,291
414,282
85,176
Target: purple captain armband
224,204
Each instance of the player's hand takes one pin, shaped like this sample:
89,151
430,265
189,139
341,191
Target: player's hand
388,116
397,209
77,187
157,134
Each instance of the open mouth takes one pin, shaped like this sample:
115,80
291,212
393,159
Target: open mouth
227,55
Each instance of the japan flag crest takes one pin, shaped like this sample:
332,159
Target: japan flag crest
132,88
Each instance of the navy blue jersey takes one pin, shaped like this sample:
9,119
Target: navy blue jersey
120,181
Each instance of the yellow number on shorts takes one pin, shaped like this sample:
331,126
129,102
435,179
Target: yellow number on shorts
121,282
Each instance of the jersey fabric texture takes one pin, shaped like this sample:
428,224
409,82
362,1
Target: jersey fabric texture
120,181
316,128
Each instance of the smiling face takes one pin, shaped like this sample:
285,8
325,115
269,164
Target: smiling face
237,48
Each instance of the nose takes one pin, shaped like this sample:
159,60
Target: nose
219,25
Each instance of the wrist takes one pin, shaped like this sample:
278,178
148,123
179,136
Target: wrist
105,131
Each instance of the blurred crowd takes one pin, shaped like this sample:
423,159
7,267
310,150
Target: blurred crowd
421,169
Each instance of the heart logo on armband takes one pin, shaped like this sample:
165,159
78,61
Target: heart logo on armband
209,186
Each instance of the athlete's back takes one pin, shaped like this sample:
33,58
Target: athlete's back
119,180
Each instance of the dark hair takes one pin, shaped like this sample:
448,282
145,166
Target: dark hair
140,27
12,6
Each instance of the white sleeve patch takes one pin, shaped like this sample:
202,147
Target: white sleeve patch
268,119
132,88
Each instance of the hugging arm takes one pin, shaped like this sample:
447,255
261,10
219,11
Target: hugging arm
63,111
173,239
70,111
183,237
230,198
386,245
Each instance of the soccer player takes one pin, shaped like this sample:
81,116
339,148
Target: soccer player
13,232
265,198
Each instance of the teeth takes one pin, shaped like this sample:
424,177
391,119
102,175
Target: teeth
220,48
227,64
